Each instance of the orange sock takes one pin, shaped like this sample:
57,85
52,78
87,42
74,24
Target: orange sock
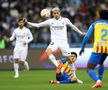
58,70
44,54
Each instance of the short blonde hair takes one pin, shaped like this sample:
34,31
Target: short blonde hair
56,9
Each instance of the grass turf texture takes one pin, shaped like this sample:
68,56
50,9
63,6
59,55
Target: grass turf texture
39,80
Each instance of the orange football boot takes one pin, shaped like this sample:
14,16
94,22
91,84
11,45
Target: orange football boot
54,82
97,85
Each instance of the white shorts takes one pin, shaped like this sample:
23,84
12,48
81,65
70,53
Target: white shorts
20,53
63,45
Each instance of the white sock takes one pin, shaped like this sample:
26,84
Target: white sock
79,81
98,80
16,67
26,65
53,60
74,74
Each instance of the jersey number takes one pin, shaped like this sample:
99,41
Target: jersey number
105,33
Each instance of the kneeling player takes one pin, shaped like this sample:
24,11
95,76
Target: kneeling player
65,72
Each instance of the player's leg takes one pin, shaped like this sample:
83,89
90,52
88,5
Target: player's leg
64,78
23,57
61,78
74,75
100,71
101,66
93,61
52,47
58,78
16,63
44,54
73,70
64,47
16,67
66,81
92,74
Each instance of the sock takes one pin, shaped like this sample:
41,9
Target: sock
66,81
100,72
79,81
16,67
53,60
74,74
92,74
43,56
58,69
26,65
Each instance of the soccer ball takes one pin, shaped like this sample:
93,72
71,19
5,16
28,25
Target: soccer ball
45,13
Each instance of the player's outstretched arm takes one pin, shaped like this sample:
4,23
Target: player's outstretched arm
44,23
86,38
74,27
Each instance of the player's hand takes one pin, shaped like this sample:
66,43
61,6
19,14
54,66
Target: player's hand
81,51
83,33
25,20
7,39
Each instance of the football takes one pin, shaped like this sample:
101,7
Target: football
45,13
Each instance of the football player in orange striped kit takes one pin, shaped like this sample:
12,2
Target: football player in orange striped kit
100,48
65,72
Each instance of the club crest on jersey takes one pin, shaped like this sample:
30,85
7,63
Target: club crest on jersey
52,43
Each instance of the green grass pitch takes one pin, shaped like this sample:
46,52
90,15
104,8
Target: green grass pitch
39,80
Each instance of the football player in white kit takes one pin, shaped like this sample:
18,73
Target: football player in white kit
58,29
23,36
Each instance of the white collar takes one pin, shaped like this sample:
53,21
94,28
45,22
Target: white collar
58,19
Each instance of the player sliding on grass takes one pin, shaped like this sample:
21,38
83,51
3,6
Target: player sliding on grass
23,36
58,28
100,48
65,72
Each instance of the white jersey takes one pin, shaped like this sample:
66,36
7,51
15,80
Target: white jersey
21,36
58,28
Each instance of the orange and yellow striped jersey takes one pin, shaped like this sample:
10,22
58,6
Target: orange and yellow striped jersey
100,31
65,65
101,38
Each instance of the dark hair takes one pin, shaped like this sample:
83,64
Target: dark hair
103,14
20,19
74,54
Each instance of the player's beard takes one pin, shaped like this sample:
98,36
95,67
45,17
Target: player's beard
21,27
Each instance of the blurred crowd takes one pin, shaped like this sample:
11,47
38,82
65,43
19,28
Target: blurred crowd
81,13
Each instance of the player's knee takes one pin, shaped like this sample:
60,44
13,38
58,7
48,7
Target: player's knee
101,64
88,69
16,60
48,51
90,66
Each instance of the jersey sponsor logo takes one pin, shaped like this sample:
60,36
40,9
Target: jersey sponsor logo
57,27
